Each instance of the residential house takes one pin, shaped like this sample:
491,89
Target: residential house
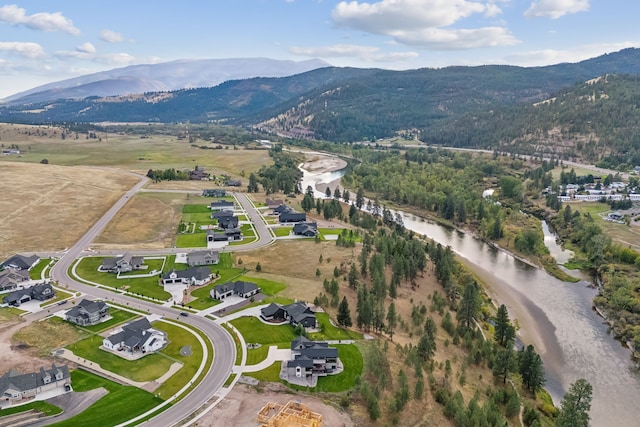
239,288
198,258
308,229
273,203
15,386
282,208
222,205
292,217
273,312
229,235
20,262
87,312
221,214
297,314
136,337
311,358
194,276
198,174
40,292
228,222
234,183
10,279
122,264
214,192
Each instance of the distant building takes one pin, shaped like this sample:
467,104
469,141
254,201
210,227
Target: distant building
10,278
198,174
198,258
234,183
194,276
287,217
222,205
20,262
41,292
297,314
122,264
228,222
308,229
229,235
214,192
239,288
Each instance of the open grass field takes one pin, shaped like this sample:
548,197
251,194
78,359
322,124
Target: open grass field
267,287
179,338
282,231
121,404
148,220
148,368
47,335
351,358
192,240
9,313
87,269
54,198
330,332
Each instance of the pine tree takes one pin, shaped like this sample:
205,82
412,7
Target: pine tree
575,406
344,314
426,347
531,369
360,198
353,277
505,362
392,320
504,330
469,306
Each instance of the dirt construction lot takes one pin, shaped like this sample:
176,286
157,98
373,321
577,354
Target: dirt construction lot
53,206
241,407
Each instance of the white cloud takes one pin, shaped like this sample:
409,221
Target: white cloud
111,36
86,48
116,59
366,53
43,21
576,54
555,9
423,23
27,49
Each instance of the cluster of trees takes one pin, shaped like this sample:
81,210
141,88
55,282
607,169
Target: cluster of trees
283,175
168,175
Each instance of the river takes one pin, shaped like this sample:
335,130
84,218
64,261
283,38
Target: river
555,316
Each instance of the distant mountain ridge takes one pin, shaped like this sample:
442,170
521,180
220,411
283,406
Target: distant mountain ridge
166,76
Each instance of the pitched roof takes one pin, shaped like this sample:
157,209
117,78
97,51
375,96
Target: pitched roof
21,262
221,214
86,306
319,352
198,273
238,287
305,228
197,257
301,361
14,380
228,222
11,277
132,333
271,309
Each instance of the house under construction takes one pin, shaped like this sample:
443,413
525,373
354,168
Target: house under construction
293,414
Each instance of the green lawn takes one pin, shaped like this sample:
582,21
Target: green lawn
330,332
270,374
254,331
87,269
282,231
44,407
148,368
198,217
351,358
118,317
257,355
179,338
236,340
36,272
195,240
152,265
267,287
226,271
229,380
204,208
121,404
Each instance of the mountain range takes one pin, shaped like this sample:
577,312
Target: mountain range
166,76
497,106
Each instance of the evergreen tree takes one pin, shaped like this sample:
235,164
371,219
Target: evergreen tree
346,196
308,203
430,328
336,193
505,362
469,306
353,277
531,369
253,183
426,347
504,330
328,192
360,198
392,320
344,314
575,406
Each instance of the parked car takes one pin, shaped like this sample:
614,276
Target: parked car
184,313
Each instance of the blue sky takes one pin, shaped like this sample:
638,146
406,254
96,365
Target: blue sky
42,41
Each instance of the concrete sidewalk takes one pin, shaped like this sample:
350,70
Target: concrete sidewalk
92,366
275,355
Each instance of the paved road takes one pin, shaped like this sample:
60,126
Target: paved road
225,352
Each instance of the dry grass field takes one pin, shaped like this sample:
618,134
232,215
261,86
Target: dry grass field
41,338
50,207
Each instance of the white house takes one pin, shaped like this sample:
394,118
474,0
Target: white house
136,337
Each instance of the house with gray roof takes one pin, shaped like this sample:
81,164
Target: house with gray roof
214,192
87,312
11,279
311,358
40,292
15,386
193,276
307,229
122,264
239,288
198,258
297,313
228,222
221,214
222,205
20,262
136,337
286,217
228,235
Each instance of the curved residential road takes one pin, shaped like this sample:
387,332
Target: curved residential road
225,351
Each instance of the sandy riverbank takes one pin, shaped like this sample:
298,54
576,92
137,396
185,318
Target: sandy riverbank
320,163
